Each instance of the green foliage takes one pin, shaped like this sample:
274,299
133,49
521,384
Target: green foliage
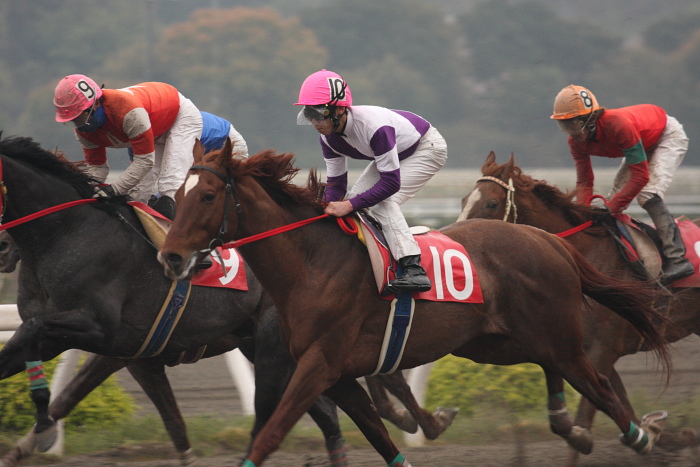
245,65
484,72
457,382
106,405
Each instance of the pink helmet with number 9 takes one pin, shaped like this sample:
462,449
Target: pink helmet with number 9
325,87
73,95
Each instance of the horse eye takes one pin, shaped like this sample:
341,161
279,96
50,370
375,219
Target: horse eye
492,204
208,197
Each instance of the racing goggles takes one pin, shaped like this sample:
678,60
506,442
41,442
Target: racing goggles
313,112
573,126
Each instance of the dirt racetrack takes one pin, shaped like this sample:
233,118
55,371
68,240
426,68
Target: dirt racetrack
638,373
607,453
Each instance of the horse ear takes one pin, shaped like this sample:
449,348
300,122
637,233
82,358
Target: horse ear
198,151
508,166
490,162
225,153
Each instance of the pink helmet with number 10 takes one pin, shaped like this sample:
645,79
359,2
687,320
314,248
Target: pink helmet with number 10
73,95
325,87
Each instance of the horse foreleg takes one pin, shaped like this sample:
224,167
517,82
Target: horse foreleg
45,429
355,402
309,380
90,375
325,413
150,375
579,438
402,418
433,425
597,389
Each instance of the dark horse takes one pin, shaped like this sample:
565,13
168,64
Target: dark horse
608,338
533,285
89,280
253,321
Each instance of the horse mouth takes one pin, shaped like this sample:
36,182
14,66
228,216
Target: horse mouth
175,267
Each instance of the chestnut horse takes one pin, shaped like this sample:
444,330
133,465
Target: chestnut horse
330,311
254,328
505,192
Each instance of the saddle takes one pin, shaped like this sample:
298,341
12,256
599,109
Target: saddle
446,262
639,244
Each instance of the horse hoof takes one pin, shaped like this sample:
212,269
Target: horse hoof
580,439
188,458
654,423
446,415
655,420
46,438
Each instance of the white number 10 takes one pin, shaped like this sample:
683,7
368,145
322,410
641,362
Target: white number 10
446,260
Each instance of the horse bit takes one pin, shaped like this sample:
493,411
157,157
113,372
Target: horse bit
510,195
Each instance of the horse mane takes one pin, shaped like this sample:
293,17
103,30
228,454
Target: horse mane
275,173
28,152
551,196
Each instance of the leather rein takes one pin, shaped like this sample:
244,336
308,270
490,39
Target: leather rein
347,227
37,214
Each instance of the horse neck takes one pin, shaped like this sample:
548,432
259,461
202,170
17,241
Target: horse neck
30,191
280,262
599,251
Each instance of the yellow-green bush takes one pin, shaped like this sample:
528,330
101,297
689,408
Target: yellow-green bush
458,382
107,404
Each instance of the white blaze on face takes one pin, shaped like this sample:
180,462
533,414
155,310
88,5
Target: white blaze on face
471,200
191,182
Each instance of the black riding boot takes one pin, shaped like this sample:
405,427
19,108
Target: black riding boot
164,205
413,279
675,266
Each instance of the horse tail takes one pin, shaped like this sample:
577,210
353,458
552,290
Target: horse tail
630,299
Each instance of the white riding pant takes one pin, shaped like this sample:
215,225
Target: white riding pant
664,159
173,154
416,170
143,191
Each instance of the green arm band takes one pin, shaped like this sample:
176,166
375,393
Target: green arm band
635,154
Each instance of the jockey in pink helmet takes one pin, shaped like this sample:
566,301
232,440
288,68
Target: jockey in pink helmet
404,151
153,119
74,95
319,93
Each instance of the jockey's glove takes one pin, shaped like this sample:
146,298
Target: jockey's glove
104,191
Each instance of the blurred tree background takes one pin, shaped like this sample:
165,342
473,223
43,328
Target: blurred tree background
484,72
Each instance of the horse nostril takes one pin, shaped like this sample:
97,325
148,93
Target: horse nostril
4,246
174,260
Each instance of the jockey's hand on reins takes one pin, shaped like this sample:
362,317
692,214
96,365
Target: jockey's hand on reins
601,216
